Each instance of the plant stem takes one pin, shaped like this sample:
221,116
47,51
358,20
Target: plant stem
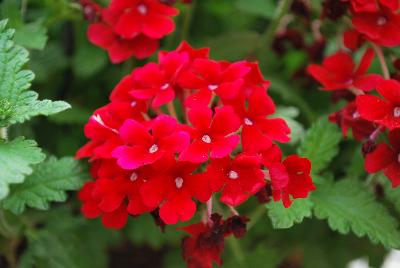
382,61
187,20
268,36
209,208
376,132
171,109
4,133
237,250
255,216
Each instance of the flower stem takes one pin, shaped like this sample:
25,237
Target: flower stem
382,61
209,208
233,210
187,20
268,36
376,132
3,133
255,216
171,109
237,250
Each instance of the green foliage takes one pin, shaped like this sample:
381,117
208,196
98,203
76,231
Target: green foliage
283,218
67,241
23,103
349,207
16,160
290,114
320,144
262,8
32,35
49,182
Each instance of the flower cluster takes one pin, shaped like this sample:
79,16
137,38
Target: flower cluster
376,24
129,28
147,157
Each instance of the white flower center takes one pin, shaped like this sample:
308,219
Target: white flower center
396,112
178,182
212,87
381,21
356,115
133,103
206,139
248,122
142,9
133,176
233,175
153,148
165,86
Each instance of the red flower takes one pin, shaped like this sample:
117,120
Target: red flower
173,189
352,39
374,5
142,148
291,178
386,158
205,245
211,135
256,125
208,77
385,112
381,27
238,178
157,82
90,209
120,49
184,47
349,118
149,17
338,71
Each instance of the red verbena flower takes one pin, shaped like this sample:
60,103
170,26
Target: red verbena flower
374,5
143,148
338,71
386,158
212,135
239,178
349,118
291,178
382,111
381,27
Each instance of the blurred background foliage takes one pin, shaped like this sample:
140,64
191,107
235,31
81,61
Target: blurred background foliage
68,67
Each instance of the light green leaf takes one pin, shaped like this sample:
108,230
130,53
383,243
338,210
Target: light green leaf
320,144
391,194
349,207
289,114
16,158
283,218
32,35
14,83
49,182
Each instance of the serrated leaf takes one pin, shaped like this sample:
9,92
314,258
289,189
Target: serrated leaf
391,194
283,218
320,144
15,82
289,114
16,160
349,207
49,182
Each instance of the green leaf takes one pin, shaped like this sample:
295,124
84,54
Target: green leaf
32,35
349,207
14,83
67,241
260,256
283,218
16,158
289,114
262,8
49,182
320,144
391,194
